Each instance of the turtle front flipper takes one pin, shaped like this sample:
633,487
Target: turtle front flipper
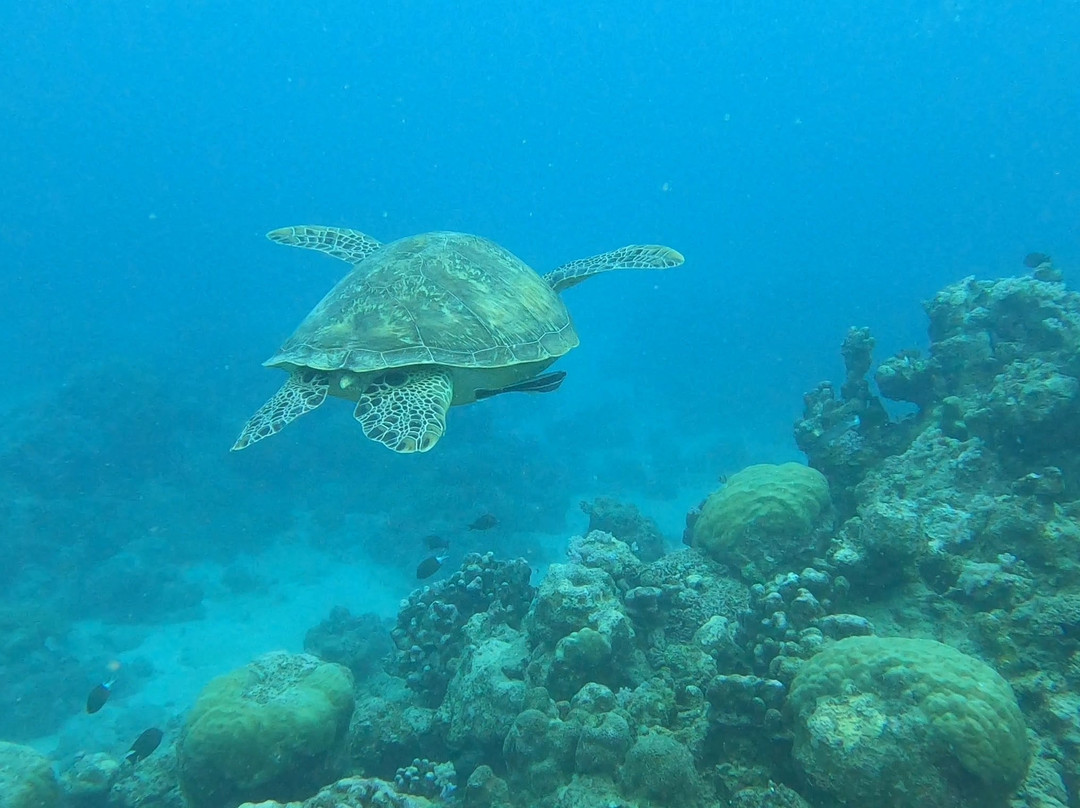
405,409
648,256
350,246
304,391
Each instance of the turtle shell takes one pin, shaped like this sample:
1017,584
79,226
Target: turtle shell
437,298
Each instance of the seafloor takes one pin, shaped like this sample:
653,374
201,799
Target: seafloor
895,623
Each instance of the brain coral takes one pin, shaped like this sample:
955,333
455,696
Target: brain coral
908,723
270,730
767,503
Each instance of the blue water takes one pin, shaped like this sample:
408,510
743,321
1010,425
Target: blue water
820,165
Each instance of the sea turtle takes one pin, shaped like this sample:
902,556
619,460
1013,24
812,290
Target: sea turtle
424,323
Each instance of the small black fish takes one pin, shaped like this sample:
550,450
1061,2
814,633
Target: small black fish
485,522
430,565
144,745
98,696
433,542
1036,259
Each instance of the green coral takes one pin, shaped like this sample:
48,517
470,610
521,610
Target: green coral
908,723
584,650
26,778
271,730
765,503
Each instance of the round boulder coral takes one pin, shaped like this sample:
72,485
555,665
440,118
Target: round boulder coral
660,769
602,744
764,516
273,730
909,724
26,778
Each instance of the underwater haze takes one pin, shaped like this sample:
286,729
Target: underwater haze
821,165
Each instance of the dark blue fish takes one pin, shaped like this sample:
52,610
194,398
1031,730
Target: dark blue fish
433,542
430,565
485,522
98,696
1036,259
144,745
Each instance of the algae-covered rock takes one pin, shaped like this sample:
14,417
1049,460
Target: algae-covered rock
580,632
89,777
909,724
488,690
274,729
485,789
354,792
600,550
626,523
568,596
604,734
539,753
26,778
694,589
765,516
152,783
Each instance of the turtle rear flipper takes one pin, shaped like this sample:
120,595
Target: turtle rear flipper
405,408
648,256
350,246
304,391
547,383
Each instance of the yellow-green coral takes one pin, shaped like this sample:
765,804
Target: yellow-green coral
270,730
765,501
892,720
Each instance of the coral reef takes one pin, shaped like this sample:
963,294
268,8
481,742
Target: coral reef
427,779
275,728
390,727
788,619
429,632
896,624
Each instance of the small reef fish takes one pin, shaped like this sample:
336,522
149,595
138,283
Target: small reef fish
144,745
98,696
830,435
485,522
430,565
433,542
1036,259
